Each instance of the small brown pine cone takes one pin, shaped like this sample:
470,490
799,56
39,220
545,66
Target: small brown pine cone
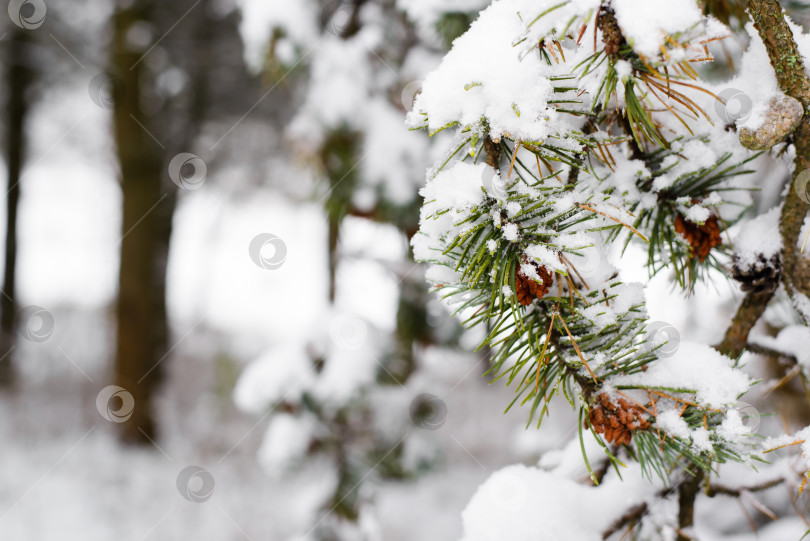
527,289
617,421
611,33
702,238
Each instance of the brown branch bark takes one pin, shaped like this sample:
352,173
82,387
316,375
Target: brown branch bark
687,494
714,490
632,515
762,350
788,65
493,152
750,310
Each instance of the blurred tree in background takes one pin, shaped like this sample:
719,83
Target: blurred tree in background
162,92
20,71
357,67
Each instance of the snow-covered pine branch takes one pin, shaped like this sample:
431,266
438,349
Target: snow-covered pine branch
574,99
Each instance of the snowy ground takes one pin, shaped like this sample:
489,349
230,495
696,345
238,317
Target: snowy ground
66,477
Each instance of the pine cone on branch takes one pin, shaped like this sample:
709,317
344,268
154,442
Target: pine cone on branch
702,238
761,276
611,33
527,288
616,420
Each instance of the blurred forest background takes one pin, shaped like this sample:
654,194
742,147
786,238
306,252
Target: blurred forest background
211,326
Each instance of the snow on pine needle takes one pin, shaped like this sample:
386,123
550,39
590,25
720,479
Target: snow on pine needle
574,127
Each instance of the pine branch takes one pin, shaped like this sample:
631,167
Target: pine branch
633,515
750,310
714,490
762,350
788,65
687,494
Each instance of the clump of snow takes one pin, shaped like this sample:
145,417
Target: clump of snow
484,78
296,20
697,214
646,24
512,209
510,232
673,424
542,255
456,188
792,340
624,69
393,155
524,503
285,442
280,374
339,88
349,346
733,428
759,236
697,368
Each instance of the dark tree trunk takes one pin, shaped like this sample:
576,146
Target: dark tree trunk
146,227
18,77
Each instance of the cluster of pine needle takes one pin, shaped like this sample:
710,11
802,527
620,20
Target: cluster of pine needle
544,341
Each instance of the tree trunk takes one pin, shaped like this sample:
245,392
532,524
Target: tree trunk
18,76
146,226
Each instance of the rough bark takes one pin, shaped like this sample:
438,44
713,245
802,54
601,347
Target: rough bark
788,65
748,313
